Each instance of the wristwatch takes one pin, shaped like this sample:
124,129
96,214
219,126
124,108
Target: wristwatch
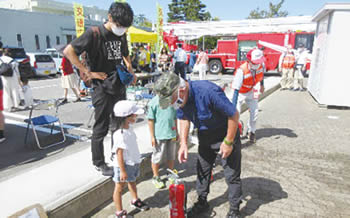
228,142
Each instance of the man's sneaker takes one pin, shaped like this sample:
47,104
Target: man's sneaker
122,214
2,139
106,170
252,137
64,101
157,182
138,204
201,206
233,214
77,100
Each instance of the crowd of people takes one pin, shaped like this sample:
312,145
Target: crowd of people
180,61
292,64
13,88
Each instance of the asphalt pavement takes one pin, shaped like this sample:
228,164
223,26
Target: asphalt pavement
54,176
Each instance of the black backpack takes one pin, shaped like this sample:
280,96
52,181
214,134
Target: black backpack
6,69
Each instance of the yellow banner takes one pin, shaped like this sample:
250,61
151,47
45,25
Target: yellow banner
159,28
79,19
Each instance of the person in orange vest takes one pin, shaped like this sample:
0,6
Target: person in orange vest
286,66
249,74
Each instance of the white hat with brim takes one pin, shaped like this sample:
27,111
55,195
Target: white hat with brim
125,108
256,56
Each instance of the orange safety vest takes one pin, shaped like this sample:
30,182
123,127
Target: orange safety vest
288,61
248,80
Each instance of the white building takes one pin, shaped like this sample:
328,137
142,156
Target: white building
54,7
36,31
329,77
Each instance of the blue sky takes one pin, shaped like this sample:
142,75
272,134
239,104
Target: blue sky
224,9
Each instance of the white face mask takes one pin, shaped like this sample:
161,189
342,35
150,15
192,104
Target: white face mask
179,101
255,66
119,31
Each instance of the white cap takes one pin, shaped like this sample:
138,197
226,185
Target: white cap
256,56
125,108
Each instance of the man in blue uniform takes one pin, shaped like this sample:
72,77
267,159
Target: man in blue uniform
205,105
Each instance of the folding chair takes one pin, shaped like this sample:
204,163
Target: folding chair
44,120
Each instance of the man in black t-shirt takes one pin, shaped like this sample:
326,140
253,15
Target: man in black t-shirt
105,47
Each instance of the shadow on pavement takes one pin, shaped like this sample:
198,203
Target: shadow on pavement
274,132
160,197
14,152
257,191
269,133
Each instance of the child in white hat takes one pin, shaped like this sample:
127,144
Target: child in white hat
126,154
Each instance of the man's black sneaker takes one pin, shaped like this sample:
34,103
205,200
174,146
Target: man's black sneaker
138,204
106,170
233,214
252,138
77,100
201,206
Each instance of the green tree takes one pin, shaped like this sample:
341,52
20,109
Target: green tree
175,11
140,20
210,42
187,10
273,11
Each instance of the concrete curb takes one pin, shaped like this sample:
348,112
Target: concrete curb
101,194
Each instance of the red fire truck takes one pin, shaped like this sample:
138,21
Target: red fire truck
230,54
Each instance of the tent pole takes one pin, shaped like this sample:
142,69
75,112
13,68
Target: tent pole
203,46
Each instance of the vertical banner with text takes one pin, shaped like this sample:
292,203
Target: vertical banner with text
79,19
159,28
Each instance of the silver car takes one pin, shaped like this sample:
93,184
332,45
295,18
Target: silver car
56,56
42,64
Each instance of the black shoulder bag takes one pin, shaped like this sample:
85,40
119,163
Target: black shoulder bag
6,69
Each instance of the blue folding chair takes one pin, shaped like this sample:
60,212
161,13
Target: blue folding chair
44,120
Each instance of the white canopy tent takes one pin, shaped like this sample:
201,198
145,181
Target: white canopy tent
195,30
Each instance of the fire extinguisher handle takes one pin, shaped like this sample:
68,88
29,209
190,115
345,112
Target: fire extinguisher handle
173,173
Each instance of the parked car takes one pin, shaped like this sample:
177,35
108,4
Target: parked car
42,64
23,60
56,56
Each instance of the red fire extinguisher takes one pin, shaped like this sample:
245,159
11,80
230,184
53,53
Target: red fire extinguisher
177,197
